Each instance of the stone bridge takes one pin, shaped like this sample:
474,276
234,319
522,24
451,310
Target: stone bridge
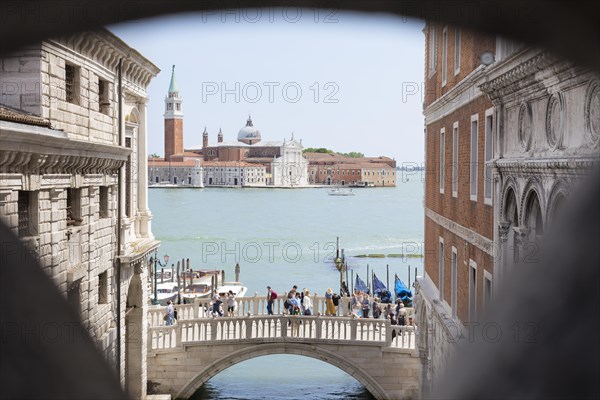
184,356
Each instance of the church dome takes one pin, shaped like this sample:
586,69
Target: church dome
249,134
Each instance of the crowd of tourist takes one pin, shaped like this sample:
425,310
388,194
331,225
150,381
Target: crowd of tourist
298,302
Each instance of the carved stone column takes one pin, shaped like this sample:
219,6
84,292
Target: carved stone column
424,378
521,235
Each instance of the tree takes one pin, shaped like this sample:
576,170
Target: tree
154,155
317,150
353,154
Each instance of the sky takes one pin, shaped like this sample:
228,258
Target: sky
344,81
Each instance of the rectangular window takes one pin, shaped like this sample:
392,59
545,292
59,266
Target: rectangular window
441,272
104,201
128,180
432,49
454,282
72,83
27,211
23,211
455,159
442,158
74,296
73,207
472,291
457,37
104,96
487,289
487,178
473,162
103,288
444,55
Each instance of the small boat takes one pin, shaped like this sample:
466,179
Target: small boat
200,289
238,289
362,184
164,292
340,192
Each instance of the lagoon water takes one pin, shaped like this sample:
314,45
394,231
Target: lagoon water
281,238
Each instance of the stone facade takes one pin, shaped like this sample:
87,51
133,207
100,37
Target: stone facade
188,173
59,185
547,139
232,173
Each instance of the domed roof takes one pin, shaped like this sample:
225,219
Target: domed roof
249,132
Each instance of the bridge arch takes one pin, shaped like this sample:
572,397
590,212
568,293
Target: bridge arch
266,349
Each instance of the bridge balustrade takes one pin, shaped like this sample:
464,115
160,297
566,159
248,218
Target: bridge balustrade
312,329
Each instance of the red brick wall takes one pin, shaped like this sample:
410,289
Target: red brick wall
173,137
475,215
472,214
463,253
472,45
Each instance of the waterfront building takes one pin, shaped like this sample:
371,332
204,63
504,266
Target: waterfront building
186,173
337,169
509,130
234,173
283,161
62,146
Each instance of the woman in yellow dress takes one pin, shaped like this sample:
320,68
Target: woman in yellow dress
329,306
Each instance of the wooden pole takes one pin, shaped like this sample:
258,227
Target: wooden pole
178,286
372,284
387,268
172,273
409,276
347,282
182,273
367,276
162,275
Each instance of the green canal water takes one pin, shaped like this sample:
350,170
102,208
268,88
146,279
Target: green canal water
283,238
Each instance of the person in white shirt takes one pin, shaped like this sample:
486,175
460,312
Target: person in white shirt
231,303
307,303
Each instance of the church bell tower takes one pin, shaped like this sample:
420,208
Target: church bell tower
173,120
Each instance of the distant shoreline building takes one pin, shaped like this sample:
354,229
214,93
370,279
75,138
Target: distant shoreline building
337,169
245,162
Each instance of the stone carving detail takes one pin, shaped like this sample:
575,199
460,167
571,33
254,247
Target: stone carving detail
525,126
503,229
592,114
555,117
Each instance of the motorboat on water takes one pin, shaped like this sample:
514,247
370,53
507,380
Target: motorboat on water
238,289
164,292
340,192
199,289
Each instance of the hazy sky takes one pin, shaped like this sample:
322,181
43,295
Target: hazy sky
345,81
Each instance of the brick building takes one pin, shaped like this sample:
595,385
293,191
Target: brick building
501,157
61,148
178,168
337,169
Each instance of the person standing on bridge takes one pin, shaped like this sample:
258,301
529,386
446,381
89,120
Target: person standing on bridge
366,306
216,305
170,313
231,303
307,303
271,296
329,305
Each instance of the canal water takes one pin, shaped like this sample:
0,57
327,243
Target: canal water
281,238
